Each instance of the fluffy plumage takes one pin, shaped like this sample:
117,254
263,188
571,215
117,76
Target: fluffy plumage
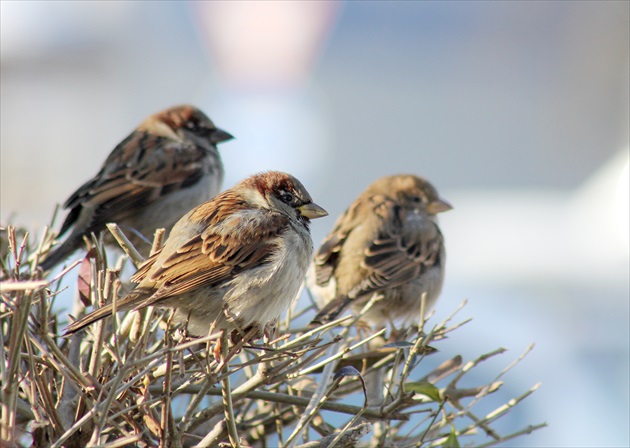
241,256
388,243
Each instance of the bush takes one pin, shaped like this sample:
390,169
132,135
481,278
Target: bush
130,381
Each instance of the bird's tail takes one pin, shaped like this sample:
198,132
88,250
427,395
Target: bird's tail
331,311
127,303
89,319
60,253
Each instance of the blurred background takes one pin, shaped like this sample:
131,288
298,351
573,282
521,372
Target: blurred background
516,111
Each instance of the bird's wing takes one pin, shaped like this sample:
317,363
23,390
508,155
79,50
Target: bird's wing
215,256
140,170
327,256
396,255
393,258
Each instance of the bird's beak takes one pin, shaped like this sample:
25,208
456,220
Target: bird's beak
219,135
438,206
312,211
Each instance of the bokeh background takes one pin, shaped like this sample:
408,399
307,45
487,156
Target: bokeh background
516,111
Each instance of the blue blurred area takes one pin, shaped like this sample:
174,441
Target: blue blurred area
516,111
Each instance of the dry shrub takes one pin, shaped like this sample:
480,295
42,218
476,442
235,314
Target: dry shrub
130,381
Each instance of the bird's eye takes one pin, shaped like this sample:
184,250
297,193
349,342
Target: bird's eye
191,125
416,199
286,197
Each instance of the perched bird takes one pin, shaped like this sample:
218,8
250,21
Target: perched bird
388,243
165,167
240,257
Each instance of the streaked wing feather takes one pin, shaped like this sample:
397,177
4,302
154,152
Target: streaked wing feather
145,267
327,256
213,258
391,260
139,171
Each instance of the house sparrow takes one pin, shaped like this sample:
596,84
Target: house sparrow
388,243
241,256
165,167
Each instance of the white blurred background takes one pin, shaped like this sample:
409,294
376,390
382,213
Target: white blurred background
516,111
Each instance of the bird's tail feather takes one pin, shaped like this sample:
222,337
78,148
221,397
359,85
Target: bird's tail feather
60,253
331,311
89,319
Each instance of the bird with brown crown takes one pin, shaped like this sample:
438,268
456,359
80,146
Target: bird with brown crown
235,261
165,167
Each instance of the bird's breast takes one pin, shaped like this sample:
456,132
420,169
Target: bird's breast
260,295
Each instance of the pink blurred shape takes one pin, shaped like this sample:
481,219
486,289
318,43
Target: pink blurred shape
265,44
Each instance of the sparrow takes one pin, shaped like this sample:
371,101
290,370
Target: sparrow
165,167
235,261
387,243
